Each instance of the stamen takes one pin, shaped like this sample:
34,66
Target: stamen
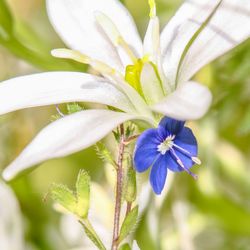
178,160
70,54
185,152
108,27
79,57
113,33
152,6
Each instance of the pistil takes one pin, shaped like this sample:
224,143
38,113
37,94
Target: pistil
166,145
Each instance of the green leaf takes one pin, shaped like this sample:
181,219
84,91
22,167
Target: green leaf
125,247
64,196
128,224
6,21
104,154
82,193
92,234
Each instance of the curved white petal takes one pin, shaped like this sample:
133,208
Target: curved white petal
60,87
222,24
66,136
11,228
188,102
74,20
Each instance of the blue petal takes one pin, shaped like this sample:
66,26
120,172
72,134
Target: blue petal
169,125
146,150
158,175
186,140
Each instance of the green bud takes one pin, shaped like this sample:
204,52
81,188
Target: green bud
73,108
130,185
82,194
6,21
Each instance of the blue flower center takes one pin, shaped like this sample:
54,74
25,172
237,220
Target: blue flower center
166,145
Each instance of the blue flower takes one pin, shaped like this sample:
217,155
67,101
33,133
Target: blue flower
170,146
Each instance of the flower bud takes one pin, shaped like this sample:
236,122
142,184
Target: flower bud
130,186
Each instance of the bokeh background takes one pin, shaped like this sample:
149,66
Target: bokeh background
212,213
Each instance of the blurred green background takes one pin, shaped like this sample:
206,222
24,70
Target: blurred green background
212,213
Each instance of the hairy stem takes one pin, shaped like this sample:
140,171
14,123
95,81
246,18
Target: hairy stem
118,199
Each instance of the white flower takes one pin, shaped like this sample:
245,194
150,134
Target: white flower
138,78
11,228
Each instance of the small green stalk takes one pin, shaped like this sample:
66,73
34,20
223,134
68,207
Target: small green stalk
91,233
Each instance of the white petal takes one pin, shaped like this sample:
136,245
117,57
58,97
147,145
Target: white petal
74,20
65,136
59,87
11,228
189,102
229,27
135,98
229,22
151,85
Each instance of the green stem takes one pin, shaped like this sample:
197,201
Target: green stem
88,226
43,61
119,185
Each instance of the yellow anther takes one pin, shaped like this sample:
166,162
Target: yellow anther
196,160
152,6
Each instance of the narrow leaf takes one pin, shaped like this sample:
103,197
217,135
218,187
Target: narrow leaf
128,224
6,21
82,194
104,154
92,234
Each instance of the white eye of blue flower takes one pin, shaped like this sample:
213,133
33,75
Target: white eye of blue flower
167,144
